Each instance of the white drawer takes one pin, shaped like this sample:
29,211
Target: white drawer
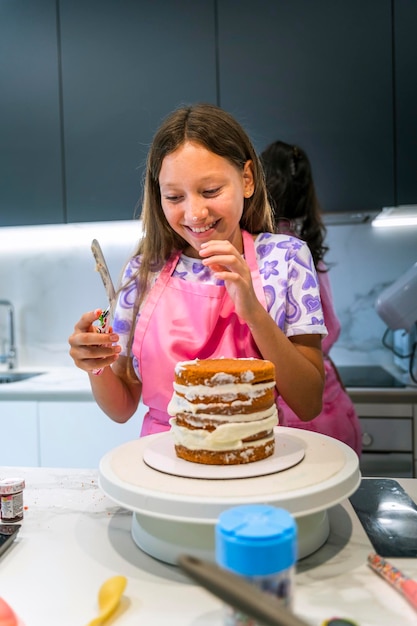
386,435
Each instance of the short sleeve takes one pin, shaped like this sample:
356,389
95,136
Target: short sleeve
122,322
290,284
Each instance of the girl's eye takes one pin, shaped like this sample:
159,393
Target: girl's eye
211,192
173,198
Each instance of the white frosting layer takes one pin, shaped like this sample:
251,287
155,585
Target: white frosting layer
227,393
226,436
196,419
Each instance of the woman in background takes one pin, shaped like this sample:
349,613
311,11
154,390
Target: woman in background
297,211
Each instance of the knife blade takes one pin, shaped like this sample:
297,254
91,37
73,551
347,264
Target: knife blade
238,593
103,270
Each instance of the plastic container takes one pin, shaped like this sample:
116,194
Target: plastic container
11,499
258,542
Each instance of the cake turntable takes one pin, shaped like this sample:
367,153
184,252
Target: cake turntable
175,514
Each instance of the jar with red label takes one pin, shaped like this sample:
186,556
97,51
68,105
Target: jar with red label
11,499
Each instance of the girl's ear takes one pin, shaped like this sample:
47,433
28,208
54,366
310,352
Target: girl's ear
248,179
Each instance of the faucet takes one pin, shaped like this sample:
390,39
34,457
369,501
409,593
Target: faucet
11,356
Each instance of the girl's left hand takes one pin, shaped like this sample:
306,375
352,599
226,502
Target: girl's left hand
228,265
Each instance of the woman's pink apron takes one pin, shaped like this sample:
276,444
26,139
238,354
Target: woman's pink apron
338,417
181,321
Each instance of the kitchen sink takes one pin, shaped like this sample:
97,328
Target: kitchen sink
14,377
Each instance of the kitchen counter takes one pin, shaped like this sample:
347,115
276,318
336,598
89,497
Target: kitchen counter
73,537
71,383
63,383
374,382
30,410
378,394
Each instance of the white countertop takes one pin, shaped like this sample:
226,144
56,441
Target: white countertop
393,395
73,538
407,394
71,383
57,383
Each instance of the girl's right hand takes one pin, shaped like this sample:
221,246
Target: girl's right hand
91,349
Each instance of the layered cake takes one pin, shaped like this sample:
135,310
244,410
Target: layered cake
223,410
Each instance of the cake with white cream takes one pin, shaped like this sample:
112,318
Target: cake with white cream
224,410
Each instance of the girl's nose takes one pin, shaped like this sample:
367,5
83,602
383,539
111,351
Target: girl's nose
197,212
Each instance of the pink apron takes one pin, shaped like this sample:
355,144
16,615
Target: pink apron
338,417
181,321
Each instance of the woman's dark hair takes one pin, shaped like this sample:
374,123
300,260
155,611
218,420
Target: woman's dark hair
293,197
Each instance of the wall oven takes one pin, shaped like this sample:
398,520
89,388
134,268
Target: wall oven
388,439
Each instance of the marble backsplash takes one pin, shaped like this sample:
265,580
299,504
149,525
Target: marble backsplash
47,272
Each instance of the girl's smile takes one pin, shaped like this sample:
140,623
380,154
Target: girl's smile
202,195
203,229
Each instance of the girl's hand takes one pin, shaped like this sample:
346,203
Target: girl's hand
229,265
91,349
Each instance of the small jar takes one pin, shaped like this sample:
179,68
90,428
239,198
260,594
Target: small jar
11,498
258,542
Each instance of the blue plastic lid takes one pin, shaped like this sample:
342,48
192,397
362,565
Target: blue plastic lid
256,540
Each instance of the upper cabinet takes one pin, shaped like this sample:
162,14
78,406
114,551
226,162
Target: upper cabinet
317,74
84,86
405,67
125,66
31,187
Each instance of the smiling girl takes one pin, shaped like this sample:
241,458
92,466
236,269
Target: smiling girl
208,278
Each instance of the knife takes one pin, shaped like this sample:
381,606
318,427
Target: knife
103,270
239,593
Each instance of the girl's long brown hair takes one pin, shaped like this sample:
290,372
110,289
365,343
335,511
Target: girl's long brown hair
217,131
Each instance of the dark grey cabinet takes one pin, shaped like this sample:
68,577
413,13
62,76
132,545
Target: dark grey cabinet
405,64
318,74
125,65
30,140
85,84
119,68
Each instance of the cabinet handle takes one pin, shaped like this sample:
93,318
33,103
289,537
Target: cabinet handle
367,440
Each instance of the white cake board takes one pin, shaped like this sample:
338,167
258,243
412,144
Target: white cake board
160,455
176,514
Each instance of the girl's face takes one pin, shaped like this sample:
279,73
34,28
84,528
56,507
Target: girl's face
202,195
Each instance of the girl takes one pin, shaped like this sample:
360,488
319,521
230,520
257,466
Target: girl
208,279
297,212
